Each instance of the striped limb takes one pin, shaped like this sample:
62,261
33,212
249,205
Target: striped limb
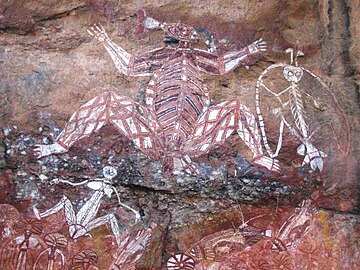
260,85
120,57
124,114
126,63
218,122
313,156
132,248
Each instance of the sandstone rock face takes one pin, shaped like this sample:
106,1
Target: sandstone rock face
232,214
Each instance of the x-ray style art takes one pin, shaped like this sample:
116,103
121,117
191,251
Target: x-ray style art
132,248
177,123
21,251
82,222
292,110
30,248
246,237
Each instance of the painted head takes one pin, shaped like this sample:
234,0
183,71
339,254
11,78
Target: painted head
293,74
177,33
109,172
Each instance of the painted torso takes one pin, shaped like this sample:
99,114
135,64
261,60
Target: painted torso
178,95
91,207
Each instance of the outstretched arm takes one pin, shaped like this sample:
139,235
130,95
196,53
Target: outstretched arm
214,64
231,60
57,181
126,63
120,57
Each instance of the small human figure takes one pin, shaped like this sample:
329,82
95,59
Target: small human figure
84,220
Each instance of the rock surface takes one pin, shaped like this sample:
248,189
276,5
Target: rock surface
50,66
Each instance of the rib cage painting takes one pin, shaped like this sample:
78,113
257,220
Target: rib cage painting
179,136
177,122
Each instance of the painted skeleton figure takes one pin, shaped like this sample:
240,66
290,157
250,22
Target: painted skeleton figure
292,112
84,220
177,123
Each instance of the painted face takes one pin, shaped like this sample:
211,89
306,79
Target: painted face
109,172
181,32
293,74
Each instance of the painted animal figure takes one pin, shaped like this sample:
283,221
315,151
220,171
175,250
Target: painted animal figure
177,123
84,220
291,99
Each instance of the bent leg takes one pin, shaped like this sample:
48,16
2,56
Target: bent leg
88,119
131,250
107,219
63,203
220,121
137,123
249,133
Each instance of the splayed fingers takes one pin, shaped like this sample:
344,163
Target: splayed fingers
98,32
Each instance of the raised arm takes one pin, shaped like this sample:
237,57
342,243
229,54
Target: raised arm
120,57
57,181
126,63
213,64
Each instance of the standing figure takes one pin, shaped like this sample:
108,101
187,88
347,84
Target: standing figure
292,110
177,123
84,220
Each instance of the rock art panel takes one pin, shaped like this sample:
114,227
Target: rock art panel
32,248
307,239
177,122
203,148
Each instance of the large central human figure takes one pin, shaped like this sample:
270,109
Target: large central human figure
177,123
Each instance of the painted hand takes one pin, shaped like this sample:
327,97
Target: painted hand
98,32
258,46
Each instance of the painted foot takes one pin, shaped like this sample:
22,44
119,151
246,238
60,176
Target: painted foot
269,163
43,150
313,156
